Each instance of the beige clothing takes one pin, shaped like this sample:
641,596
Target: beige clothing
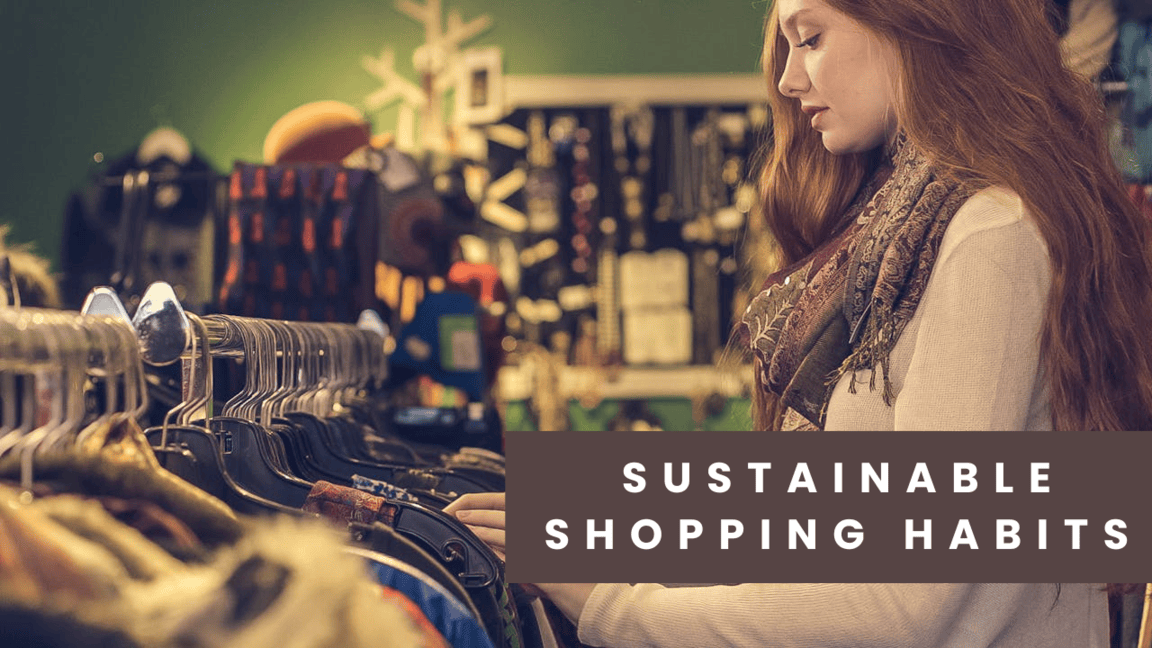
970,357
848,615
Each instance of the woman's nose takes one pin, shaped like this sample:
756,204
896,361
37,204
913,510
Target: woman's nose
794,82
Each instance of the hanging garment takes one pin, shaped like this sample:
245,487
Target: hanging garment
117,460
42,628
158,525
547,634
386,540
432,636
142,558
260,591
383,489
347,505
464,554
140,220
280,581
297,239
450,617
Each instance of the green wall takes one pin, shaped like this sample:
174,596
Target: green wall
84,77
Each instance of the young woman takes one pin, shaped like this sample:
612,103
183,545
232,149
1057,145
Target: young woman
959,254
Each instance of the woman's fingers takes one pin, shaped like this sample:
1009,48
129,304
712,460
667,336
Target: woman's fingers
483,513
483,501
481,518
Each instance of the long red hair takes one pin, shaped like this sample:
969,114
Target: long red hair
984,94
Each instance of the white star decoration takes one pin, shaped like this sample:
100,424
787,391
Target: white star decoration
437,61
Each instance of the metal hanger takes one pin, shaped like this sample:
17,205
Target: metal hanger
52,355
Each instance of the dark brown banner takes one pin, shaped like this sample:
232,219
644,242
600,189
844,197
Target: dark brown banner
885,507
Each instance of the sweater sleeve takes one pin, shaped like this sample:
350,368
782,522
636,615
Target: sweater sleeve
981,615
765,615
976,358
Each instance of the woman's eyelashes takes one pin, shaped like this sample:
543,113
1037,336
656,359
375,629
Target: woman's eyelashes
809,42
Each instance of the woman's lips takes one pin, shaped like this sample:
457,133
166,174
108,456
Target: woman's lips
814,112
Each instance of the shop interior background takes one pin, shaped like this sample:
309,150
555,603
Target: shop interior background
87,82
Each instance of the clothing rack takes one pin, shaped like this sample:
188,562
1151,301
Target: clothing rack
302,440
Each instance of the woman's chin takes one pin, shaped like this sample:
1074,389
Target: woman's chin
840,146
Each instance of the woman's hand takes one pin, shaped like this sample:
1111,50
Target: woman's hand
483,514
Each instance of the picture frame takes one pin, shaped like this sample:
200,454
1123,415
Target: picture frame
480,86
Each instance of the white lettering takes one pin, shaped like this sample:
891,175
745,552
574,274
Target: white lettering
867,473
718,473
963,535
964,479
1112,528
684,475
689,530
1075,525
632,473
807,536
642,524
730,530
921,479
802,478
910,534
593,534
759,468
1038,476
855,537
555,528
1007,534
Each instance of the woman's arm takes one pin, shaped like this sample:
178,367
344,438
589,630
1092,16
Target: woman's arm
976,358
739,615
764,615
970,357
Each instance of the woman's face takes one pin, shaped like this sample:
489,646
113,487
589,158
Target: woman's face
843,76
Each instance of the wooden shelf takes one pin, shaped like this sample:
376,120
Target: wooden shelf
631,383
550,91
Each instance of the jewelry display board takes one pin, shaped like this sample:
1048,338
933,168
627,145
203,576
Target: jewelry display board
620,212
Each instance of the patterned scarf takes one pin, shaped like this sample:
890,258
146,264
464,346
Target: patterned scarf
842,308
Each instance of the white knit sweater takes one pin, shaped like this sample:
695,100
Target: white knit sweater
847,615
970,357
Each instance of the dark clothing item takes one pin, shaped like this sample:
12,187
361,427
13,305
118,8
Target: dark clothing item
297,243
29,628
451,617
158,525
386,540
347,505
